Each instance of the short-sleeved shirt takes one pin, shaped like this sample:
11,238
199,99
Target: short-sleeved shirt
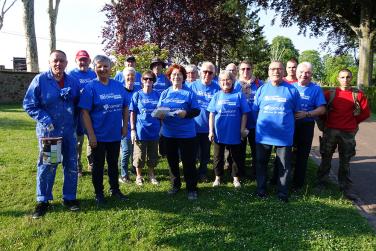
311,96
182,99
83,77
276,107
251,116
105,104
143,104
161,84
204,94
228,109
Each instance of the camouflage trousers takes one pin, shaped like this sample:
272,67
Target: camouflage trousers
346,150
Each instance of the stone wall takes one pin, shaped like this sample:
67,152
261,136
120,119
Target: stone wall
13,85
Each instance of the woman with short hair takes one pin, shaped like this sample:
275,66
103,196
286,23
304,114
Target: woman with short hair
104,107
145,128
178,129
227,125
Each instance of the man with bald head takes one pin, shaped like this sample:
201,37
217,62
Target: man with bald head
204,88
313,105
51,100
276,104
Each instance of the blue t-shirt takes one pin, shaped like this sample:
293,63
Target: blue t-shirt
183,99
83,78
276,107
143,104
204,94
311,96
105,104
161,84
251,116
137,81
228,109
129,95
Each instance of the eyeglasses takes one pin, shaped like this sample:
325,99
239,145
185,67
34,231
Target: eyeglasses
146,79
208,72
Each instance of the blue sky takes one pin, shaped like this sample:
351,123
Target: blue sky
79,27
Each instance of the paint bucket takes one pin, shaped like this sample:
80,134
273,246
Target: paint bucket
52,150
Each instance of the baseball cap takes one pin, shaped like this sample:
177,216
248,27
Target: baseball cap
82,54
131,59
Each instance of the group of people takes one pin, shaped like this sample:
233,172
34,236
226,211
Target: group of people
180,114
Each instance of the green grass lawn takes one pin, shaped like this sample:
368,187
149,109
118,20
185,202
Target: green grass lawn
221,219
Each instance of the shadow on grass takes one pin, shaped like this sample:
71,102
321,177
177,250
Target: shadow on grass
13,108
16,124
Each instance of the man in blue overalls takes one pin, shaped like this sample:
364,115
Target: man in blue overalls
51,100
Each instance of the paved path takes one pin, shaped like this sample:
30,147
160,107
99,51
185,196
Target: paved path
363,168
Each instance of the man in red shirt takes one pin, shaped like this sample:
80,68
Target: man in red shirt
343,118
291,67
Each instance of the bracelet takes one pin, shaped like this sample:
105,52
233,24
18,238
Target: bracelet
133,129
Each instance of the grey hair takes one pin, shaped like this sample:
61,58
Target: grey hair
231,64
103,59
304,64
129,70
227,74
209,64
191,67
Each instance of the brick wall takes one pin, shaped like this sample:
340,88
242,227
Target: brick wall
13,85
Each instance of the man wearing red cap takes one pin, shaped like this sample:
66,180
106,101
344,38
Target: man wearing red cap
84,75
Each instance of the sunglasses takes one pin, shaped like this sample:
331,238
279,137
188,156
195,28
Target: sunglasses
243,69
208,72
146,79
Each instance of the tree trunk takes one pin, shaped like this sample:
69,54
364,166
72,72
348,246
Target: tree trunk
31,41
52,14
365,36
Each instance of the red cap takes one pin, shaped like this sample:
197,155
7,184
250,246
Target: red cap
82,54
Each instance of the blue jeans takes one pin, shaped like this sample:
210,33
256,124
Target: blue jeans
283,165
126,153
46,173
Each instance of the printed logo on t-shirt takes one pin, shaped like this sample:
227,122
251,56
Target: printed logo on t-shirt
275,98
274,109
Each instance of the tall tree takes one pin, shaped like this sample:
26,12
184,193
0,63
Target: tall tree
314,58
190,30
53,9
283,49
341,18
4,10
31,40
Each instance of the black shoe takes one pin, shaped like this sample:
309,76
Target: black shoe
100,200
40,210
72,205
192,195
261,195
119,195
349,195
173,191
203,179
284,199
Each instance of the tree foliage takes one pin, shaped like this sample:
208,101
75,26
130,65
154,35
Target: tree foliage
191,31
314,58
283,49
333,64
144,54
341,19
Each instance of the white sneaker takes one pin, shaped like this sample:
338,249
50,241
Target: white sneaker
236,183
139,181
154,181
216,182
